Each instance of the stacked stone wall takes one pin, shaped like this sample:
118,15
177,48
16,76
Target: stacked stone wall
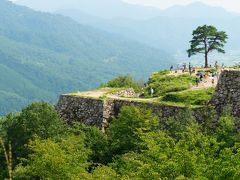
85,110
100,112
227,92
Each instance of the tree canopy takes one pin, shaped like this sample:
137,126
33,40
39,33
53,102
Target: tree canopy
205,40
136,146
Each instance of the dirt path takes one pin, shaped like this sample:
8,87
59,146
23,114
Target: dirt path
95,93
105,93
206,83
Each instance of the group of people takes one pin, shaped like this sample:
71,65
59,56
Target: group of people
184,68
191,69
204,76
201,76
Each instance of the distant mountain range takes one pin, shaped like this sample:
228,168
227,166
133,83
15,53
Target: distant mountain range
110,9
43,55
197,10
101,8
169,30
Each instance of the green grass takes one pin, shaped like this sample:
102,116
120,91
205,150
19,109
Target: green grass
163,83
198,97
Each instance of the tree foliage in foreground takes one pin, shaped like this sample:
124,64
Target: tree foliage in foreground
134,147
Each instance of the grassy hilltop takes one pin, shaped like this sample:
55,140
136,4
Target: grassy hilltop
171,88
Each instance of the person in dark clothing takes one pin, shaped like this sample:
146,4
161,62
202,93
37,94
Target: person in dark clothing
197,81
184,67
190,69
201,77
213,81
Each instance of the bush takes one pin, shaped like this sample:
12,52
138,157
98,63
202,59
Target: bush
124,82
198,97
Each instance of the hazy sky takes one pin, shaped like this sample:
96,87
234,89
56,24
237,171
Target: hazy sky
232,5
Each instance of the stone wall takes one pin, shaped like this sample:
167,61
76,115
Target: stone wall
85,110
100,112
228,92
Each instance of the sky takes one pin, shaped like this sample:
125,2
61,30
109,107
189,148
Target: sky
231,5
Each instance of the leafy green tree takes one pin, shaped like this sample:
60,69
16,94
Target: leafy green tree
105,172
95,140
209,119
178,150
38,119
135,146
123,132
177,124
226,131
205,40
64,159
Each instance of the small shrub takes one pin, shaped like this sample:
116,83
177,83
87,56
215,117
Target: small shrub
124,82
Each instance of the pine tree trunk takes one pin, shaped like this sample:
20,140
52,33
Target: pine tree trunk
206,60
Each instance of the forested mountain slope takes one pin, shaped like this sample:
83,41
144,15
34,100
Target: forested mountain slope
43,55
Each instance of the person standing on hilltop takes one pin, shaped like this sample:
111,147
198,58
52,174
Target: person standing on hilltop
152,92
184,67
197,81
216,65
213,82
201,77
190,69
218,74
205,78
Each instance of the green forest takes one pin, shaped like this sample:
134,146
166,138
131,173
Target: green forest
137,145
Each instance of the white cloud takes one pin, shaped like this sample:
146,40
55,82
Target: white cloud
231,5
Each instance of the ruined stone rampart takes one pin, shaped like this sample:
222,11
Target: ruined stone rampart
85,110
227,92
99,112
